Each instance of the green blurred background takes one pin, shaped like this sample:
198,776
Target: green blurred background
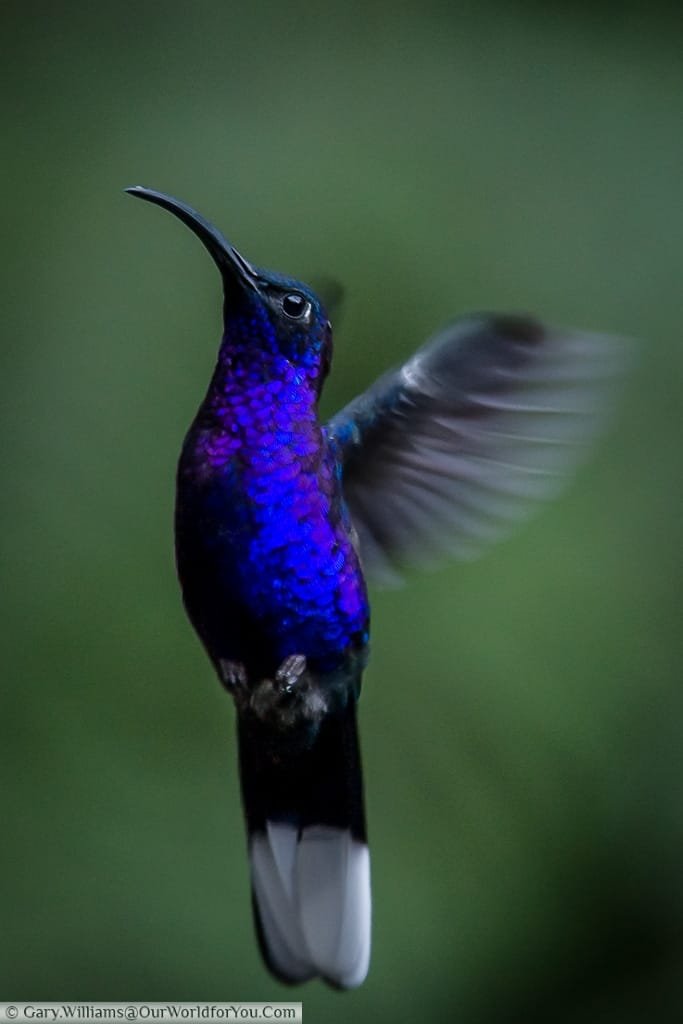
521,717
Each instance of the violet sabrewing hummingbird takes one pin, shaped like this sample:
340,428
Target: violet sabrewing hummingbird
279,519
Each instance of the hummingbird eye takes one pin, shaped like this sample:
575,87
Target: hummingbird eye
295,305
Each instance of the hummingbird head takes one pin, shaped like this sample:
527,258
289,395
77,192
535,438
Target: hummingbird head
265,314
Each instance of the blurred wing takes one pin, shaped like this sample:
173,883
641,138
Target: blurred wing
331,293
450,451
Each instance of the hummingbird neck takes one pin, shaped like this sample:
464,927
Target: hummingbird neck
256,400
261,415
260,400
251,380
252,360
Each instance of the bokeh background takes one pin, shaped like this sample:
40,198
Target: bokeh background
521,718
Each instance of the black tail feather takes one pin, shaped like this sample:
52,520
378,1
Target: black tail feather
303,805
321,784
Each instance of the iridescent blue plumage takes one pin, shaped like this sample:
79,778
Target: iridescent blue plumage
261,509
273,514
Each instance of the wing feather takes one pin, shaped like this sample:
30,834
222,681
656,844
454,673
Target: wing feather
447,453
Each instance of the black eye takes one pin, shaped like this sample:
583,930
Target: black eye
294,305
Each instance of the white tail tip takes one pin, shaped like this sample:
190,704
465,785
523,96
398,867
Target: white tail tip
312,895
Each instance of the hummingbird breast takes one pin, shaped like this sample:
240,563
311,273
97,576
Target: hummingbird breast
264,543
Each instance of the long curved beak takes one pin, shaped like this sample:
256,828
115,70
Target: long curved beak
233,267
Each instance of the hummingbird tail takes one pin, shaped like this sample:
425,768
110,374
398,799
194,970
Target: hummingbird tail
308,853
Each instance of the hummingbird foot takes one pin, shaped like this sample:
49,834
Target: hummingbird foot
292,702
233,676
290,672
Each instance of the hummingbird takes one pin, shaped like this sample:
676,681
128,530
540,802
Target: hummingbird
280,520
